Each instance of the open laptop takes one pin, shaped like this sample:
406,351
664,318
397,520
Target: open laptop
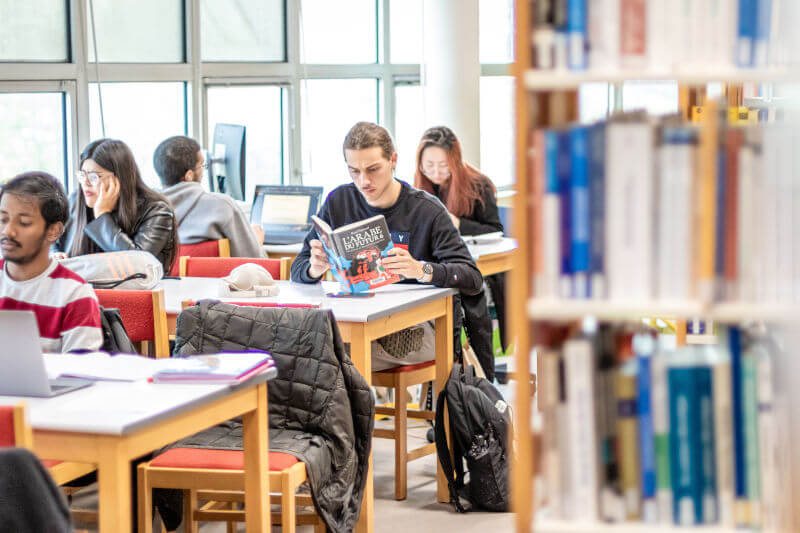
22,362
284,211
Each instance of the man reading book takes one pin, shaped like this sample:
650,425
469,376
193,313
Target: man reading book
427,246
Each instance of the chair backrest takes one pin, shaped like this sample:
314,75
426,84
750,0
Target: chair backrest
219,267
14,428
143,314
220,248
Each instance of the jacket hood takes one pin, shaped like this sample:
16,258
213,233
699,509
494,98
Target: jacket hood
183,197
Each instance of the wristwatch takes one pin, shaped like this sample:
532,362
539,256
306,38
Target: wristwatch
427,272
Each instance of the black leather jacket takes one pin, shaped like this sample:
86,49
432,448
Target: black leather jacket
153,232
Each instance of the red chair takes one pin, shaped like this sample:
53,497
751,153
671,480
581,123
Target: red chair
219,267
220,248
143,315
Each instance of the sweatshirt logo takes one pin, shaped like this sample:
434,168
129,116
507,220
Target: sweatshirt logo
401,239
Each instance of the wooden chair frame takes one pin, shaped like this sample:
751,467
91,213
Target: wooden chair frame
224,491
399,382
285,267
224,247
160,341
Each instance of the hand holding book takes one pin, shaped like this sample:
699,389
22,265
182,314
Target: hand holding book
400,262
318,261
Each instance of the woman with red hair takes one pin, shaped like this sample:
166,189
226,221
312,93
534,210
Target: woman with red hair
471,201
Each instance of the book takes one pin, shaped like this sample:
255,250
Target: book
101,366
633,33
597,210
628,440
564,177
220,368
551,221
643,347
355,252
723,436
577,31
660,409
580,230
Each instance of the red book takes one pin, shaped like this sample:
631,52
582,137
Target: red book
733,143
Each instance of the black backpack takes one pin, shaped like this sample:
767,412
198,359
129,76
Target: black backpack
115,337
479,426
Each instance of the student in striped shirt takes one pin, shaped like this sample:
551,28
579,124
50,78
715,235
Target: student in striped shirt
33,210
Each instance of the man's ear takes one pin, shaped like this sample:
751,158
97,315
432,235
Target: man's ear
189,176
394,160
54,231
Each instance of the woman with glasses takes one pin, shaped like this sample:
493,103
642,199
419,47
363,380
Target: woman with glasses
471,201
114,210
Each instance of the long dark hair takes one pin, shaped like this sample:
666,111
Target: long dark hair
117,158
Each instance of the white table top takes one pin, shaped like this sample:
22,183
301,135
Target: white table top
504,244
388,300
294,248
119,408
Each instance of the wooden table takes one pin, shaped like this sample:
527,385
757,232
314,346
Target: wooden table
494,257
360,320
112,423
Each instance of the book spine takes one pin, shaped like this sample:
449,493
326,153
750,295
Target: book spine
746,223
561,37
536,173
627,440
643,345
579,363
746,32
784,243
552,218
564,445
610,501
543,34
707,452
579,212
657,37
660,407
597,163
739,472
732,146
685,453
564,178
705,208
578,42
549,397
762,34
752,454
769,213
719,223
633,33
604,17
770,492
723,441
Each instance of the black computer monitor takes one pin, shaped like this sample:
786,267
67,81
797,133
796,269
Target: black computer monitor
226,173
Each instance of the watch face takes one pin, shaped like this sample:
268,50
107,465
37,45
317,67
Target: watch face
427,268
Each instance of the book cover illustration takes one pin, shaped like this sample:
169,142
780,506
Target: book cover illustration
355,252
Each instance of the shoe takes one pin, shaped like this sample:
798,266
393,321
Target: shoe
401,343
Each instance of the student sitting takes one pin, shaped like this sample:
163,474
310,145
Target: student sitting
427,248
114,209
33,210
202,216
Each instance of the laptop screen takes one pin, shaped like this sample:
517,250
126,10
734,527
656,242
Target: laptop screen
285,209
282,209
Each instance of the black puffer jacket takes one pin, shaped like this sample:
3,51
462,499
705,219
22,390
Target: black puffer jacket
320,408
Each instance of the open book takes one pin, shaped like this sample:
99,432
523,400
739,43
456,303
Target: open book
355,252
224,367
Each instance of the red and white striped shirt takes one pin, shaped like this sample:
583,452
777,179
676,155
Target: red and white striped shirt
65,306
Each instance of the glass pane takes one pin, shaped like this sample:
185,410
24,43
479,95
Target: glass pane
331,34
496,31
331,107
32,130
257,108
137,31
593,101
242,30
158,113
497,129
34,30
405,35
656,97
408,127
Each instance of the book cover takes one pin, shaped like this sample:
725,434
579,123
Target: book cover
564,171
579,211
628,440
643,346
220,368
576,28
597,210
355,252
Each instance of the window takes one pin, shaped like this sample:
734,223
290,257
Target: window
260,109
405,36
137,31
594,101
34,30
496,31
658,98
33,133
331,108
408,127
331,33
497,129
243,30
141,115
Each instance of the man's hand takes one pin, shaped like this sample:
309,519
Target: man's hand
108,196
401,262
259,233
318,261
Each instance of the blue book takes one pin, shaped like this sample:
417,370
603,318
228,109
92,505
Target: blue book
746,32
579,211
550,162
739,463
563,170
761,47
576,29
643,347
597,209
705,402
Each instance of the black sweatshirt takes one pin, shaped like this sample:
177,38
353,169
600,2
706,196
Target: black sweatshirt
484,217
417,220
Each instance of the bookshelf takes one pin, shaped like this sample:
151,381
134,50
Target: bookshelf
538,92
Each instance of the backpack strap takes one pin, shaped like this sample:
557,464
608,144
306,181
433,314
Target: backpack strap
443,451
113,284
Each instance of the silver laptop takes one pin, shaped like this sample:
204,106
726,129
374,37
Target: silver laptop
284,211
21,359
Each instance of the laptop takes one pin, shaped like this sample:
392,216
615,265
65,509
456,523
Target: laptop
284,211
22,362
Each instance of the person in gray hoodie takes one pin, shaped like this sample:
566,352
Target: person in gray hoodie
202,215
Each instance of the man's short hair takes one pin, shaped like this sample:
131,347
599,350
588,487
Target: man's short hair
47,191
174,157
367,135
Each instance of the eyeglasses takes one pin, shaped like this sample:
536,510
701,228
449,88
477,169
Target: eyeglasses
204,165
92,178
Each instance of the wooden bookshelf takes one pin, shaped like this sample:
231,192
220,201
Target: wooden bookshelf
564,526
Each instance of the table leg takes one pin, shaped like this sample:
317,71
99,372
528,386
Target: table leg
114,479
444,364
361,355
256,467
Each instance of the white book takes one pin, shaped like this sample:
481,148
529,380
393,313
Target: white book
723,440
723,13
102,366
771,491
679,34
629,210
551,248
769,212
659,393
658,48
746,220
603,34
584,461
784,212
549,401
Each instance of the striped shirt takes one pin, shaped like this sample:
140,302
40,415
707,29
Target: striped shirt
65,306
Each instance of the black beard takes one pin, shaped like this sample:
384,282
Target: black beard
28,258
